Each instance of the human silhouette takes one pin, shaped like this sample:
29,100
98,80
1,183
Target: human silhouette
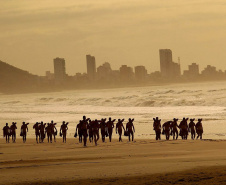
192,128
84,126
157,128
90,131
103,126
49,132
166,129
63,130
23,131
13,128
42,131
54,130
79,131
37,132
110,125
199,128
130,128
119,127
184,129
174,127
6,132
95,126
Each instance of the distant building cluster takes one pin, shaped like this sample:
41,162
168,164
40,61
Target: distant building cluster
104,76
15,80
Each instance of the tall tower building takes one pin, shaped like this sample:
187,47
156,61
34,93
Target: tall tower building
91,67
165,61
59,69
169,69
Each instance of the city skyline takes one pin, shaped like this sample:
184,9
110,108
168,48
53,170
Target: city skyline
170,69
167,66
33,33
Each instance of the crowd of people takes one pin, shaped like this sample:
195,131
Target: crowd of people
169,128
91,130
86,128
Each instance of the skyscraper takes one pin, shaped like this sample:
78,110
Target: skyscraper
59,70
169,69
91,67
165,61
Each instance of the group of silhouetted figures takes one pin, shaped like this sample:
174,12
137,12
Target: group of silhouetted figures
90,129
86,128
169,128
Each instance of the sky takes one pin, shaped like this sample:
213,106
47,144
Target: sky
129,32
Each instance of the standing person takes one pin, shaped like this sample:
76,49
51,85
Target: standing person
6,132
174,128
157,128
78,131
90,131
199,128
192,128
13,128
130,128
166,129
110,125
184,128
63,130
119,127
95,130
84,126
103,126
54,130
23,131
37,132
49,132
42,131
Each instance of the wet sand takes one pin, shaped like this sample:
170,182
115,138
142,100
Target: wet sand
140,162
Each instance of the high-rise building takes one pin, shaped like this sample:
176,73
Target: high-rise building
193,72
168,68
126,73
104,72
140,73
59,69
194,69
165,61
91,67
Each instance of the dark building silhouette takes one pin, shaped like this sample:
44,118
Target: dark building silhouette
59,70
104,72
91,67
140,73
209,72
168,68
192,72
126,74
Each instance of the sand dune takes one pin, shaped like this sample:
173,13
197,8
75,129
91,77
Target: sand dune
140,162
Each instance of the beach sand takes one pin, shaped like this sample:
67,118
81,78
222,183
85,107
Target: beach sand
139,162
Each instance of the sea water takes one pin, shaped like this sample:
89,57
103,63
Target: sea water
197,100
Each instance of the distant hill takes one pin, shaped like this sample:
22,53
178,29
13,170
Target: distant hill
15,80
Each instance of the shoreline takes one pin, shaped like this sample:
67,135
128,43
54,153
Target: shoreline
111,163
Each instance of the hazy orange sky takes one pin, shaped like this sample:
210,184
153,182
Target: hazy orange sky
130,32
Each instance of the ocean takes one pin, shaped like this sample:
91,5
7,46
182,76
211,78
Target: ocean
196,100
